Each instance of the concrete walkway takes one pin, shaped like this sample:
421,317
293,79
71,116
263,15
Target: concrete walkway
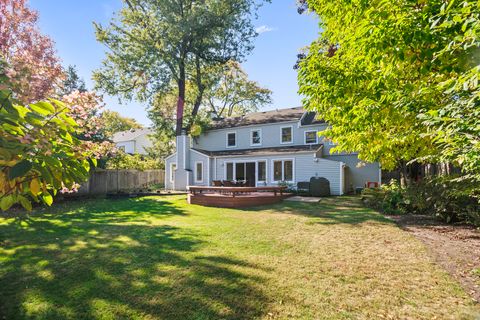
303,199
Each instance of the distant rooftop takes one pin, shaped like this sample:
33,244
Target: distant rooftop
273,116
130,135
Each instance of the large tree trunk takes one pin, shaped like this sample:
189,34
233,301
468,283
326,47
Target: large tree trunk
199,98
180,101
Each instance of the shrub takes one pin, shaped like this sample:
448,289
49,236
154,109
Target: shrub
388,198
452,199
123,160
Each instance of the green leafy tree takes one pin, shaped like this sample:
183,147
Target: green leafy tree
113,122
233,94
39,152
394,78
72,82
156,47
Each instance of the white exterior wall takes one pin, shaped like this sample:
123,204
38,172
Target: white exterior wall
128,145
216,140
305,167
168,161
136,146
196,157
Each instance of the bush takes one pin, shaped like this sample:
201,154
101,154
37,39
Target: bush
388,198
123,160
452,199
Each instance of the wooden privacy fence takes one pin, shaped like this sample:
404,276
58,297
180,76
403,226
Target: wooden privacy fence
112,181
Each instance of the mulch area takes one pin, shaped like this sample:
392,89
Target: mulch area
455,247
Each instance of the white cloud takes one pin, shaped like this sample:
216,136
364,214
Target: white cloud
264,28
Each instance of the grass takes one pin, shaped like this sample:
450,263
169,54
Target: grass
160,258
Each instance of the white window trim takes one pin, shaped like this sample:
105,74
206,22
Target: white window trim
281,129
272,170
305,136
256,171
172,174
251,137
226,138
256,161
196,169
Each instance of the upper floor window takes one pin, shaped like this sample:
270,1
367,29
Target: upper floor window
256,137
311,137
286,134
231,139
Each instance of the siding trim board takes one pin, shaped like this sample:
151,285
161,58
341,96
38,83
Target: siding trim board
173,154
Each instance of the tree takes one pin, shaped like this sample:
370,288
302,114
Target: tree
158,46
72,82
233,94
40,153
380,72
114,122
34,69
86,109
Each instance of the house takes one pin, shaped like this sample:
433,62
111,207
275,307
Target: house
133,141
266,148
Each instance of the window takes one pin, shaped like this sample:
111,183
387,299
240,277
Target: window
282,170
286,135
231,139
199,171
121,148
173,167
255,137
310,137
240,171
262,171
288,170
229,174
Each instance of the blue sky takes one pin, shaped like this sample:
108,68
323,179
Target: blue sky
283,33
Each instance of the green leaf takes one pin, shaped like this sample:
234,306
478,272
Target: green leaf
20,169
6,202
42,107
24,202
47,198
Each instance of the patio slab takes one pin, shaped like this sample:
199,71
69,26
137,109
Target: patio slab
304,199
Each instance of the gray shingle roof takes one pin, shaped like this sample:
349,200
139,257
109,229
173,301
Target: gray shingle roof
273,116
130,135
260,151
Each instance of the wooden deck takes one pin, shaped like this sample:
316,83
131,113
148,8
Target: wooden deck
235,197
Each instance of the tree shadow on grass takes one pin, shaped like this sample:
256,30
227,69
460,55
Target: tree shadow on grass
329,210
90,264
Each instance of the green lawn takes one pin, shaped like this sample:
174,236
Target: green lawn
160,258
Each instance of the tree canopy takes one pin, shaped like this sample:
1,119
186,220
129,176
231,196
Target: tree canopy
233,94
397,80
158,46
40,153
113,122
33,67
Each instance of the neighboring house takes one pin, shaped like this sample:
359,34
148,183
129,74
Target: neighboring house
133,141
266,148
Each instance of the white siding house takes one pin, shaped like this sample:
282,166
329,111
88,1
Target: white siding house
133,141
266,148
